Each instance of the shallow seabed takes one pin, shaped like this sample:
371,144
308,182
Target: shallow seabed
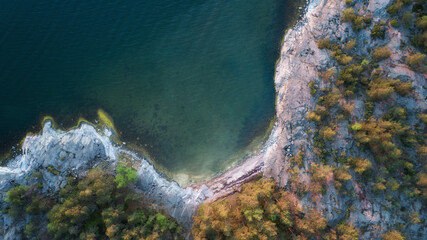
191,82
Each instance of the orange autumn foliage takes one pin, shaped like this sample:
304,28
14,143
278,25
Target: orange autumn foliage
260,211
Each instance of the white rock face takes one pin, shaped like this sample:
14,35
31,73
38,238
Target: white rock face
75,152
72,152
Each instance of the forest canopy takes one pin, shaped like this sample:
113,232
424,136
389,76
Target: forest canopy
262,210
98,206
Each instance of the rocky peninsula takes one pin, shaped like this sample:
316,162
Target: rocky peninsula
57,154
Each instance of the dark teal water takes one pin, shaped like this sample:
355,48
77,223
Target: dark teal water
191,81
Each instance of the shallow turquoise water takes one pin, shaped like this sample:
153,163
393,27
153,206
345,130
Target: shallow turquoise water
190,81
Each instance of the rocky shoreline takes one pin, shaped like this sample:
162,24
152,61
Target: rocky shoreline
58,149
54,152
299,64
57,154
295,69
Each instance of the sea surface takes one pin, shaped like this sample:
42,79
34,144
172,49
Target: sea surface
189,81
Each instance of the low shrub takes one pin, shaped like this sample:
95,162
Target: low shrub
16,195
349,76
125,176
327,133
348,15
311,116
324,43
358,23
331,98
360,165
378,31
313,87
356,127
417,60
350,45
394,23
381,53
403,89
393,235
327,75
421,22
381,88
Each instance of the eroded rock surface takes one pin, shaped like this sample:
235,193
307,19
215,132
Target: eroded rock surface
57,155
